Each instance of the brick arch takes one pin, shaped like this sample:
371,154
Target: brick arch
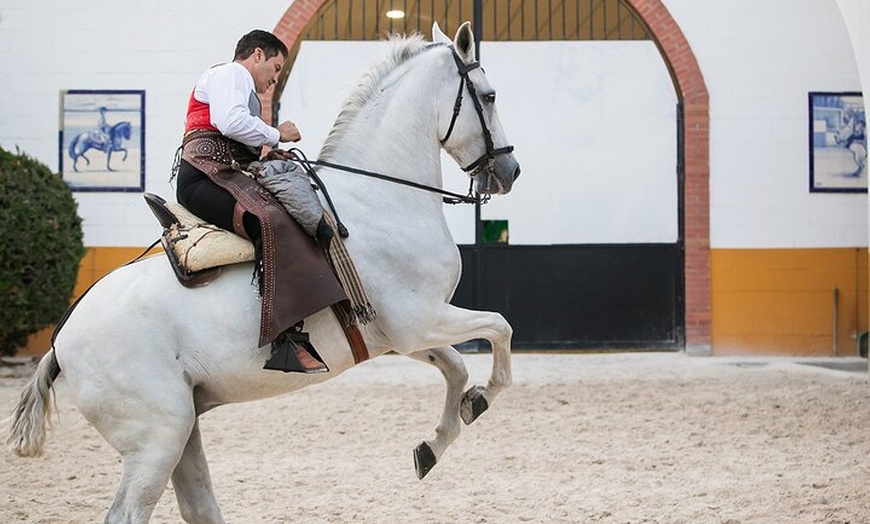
692,93
289,29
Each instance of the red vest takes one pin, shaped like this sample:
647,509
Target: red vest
198,116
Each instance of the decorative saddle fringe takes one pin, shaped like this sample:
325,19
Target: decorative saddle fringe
361,311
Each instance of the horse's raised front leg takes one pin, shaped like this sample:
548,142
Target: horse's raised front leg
454,325
192,482
451,365
461,325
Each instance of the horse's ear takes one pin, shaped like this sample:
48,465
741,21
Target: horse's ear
463,42
438,36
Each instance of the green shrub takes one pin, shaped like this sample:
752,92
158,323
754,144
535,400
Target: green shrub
40,248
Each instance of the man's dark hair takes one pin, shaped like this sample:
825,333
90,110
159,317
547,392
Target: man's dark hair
269,43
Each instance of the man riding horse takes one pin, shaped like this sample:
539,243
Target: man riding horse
142,370
223,136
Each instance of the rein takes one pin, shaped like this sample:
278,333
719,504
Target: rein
449,197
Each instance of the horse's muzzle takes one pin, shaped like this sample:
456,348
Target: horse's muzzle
498,177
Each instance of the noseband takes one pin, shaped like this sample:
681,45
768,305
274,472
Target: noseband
486,160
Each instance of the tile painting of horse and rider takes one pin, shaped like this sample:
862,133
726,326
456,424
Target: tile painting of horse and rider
838,143
101,143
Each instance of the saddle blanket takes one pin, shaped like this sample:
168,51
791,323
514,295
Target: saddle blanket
199,246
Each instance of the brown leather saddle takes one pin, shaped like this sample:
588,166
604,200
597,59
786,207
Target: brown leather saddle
197,251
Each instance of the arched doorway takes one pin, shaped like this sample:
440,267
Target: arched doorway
330,17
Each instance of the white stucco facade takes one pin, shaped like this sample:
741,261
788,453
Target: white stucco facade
759,61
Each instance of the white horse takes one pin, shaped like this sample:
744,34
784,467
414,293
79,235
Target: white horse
144,356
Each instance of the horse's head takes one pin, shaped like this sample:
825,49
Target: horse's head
121,130
469,124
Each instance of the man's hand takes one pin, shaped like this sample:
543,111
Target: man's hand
279,154
288,132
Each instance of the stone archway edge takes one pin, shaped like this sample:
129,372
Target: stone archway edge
692,92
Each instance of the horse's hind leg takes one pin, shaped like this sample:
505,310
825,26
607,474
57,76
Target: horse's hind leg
451,365
192,484
148,463
149,427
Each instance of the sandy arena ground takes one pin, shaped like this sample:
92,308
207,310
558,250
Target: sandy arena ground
611,438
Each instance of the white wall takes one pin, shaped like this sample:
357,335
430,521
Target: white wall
759,61
160,46
595,129
593,123
856,14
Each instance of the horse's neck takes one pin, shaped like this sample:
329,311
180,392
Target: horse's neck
394,140
393,153
390,219
395,132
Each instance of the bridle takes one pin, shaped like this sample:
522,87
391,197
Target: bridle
486,160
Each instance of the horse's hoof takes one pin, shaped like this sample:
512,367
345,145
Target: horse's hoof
473,404
424,460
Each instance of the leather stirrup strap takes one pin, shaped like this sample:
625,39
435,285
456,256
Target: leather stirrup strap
238,221
352,333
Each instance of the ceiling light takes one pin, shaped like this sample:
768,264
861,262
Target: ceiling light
395,14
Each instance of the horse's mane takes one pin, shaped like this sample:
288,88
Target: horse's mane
402,48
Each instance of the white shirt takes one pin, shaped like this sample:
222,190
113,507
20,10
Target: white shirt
227,89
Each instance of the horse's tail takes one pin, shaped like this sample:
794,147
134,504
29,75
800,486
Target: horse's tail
72,146
28,420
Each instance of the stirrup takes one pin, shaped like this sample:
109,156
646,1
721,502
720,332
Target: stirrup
292,352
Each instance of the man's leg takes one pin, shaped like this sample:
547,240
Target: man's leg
215,205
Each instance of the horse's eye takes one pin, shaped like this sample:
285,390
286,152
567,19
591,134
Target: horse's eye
489,98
